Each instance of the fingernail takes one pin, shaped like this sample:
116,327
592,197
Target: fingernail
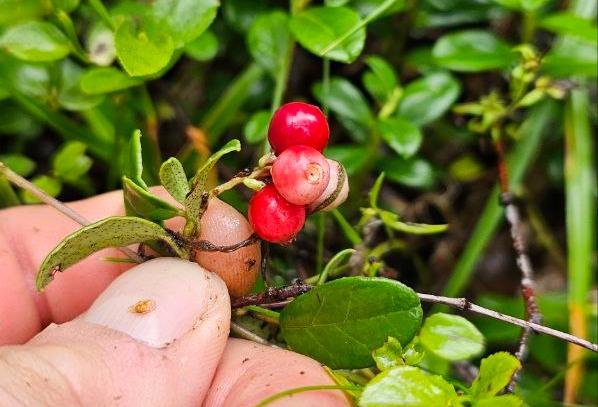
156,302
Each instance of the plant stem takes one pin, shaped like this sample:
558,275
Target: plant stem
296,390
247,334
346,227
369,18
21,182
325,83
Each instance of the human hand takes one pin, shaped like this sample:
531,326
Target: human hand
103,353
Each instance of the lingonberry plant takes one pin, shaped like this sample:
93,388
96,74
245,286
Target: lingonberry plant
418,107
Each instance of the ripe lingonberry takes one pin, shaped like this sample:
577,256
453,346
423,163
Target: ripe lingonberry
298,123
300,174
336,191
273,218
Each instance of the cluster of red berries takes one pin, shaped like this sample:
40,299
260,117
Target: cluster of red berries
303,180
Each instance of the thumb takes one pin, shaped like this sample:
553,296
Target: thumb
154,337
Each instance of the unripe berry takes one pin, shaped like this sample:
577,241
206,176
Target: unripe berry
300,174
273,218
298,123
336,191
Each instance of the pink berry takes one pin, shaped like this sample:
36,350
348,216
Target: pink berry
298,123
336,191
273,218
300,174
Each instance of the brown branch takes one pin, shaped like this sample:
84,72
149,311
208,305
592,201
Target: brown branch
281,296
513,216
21,182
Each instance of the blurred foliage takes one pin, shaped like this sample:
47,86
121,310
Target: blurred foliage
416,89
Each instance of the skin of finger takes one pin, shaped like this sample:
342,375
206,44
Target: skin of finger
27,235
80,363
250,372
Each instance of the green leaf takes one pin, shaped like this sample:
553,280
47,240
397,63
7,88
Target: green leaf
198,182
142,50
522,5
341,322
256,128
495,373
414,172
401,135
375,191
350,106
407,386
381,80
389,355
71,95
66,5
349,155
268,41
114,231
570,24
575,58
140,202
35,41
49,185
508,400
20,164
391,220
472,51
203,48
451,337
317,27
185,19
70,162
428,98
134,167
173,178
96,81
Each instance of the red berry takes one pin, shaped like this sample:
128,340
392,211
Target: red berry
300,174
298,123
273,218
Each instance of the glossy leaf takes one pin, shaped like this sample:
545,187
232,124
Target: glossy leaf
256,128
381,80
317,27
71,95
414,172
98,81
570,24
508,400
341,322
203,48
70,162
20,164
472,51
451,337
35,41
495,373
268,41
174,180
184,19
350,106
140,202
401,135
66,5
428,98
114,231
575,58
142,50
407,386
350,156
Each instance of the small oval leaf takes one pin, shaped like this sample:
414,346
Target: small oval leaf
173,178
142,203
115,231
35,41
341,322
451,337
